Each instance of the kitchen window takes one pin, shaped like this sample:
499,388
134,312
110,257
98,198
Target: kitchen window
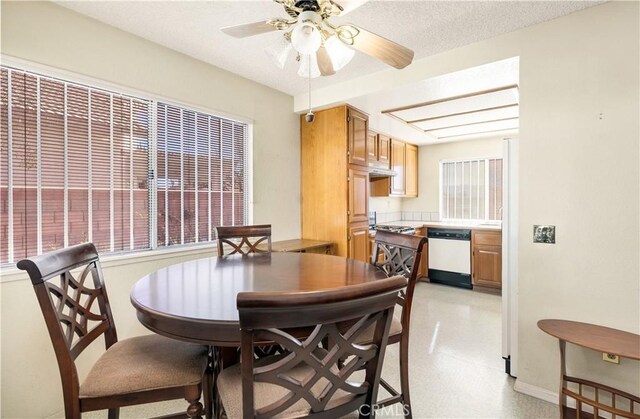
471,190
77,163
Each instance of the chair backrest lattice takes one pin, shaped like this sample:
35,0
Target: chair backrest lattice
326,386
70,289
244,239
400,254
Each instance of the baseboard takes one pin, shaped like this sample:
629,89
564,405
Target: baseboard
535,391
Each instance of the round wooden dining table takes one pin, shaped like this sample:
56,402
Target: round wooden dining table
195,301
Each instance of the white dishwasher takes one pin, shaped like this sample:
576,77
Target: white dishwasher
450,256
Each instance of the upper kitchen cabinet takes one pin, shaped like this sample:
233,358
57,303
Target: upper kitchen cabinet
411,171
335,179
358,124
403,159
398,160
372,146
379,146
384,150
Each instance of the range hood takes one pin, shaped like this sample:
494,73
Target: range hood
376,172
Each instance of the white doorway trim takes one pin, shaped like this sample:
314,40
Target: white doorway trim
510,254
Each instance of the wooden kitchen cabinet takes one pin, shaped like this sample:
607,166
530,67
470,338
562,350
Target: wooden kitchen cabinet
404,161
335,181
359,242
358,137
487,258
372,146
358,195
411,170
379,146
398,165
384,150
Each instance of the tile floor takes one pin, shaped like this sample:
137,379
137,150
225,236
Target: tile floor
457,370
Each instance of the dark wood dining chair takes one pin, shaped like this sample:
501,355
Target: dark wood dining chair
144,369
308,380
244,239
399,254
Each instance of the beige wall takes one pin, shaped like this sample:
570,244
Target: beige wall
429,158
47,34
579,152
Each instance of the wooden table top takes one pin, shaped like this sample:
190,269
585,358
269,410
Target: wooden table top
196,300
598,338
296,245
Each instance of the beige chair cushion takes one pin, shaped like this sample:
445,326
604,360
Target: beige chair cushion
230,389
145,363
394,329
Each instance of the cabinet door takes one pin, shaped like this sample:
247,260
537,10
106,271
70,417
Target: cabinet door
398,165
359,242
358,208
372,146
487,265
411,170
384,147
358,128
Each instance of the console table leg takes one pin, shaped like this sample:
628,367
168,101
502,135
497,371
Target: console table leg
563,384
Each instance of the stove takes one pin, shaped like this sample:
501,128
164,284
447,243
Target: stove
394,229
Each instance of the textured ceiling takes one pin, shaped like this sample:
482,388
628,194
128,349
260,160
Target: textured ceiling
428,27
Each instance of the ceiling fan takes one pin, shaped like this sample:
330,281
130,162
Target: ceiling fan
320,44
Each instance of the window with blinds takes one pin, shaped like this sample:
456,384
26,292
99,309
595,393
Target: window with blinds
77,164
471,190
201,170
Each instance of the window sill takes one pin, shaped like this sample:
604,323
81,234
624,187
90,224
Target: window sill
11,273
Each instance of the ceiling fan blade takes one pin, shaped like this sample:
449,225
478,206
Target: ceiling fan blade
324,62
381,48
249,29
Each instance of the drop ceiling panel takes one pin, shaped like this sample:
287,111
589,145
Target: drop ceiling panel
469,118
455,106
479,128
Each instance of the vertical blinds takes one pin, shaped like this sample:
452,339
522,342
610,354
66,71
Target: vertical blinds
472,189
201,169
76,165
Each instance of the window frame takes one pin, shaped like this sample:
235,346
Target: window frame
46,71
441,203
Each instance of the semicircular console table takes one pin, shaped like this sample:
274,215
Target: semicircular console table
599,397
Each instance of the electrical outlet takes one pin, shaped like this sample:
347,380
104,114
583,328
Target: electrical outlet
614,359
544,234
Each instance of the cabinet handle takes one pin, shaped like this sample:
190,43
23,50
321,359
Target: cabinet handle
348,212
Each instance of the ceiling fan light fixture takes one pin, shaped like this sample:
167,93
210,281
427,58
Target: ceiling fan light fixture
279,51
309,66
340,54
306,37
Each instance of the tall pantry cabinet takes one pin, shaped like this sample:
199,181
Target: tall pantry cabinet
335,180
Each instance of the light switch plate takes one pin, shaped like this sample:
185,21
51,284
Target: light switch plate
544,234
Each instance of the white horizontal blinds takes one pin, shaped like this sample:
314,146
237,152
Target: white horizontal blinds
472,189
141,134
74,171
201,174
23,155
240,170
226,134
216,175
4,166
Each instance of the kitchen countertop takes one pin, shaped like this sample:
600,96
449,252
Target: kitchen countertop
445,224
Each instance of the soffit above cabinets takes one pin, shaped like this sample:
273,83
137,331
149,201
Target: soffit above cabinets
494,110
